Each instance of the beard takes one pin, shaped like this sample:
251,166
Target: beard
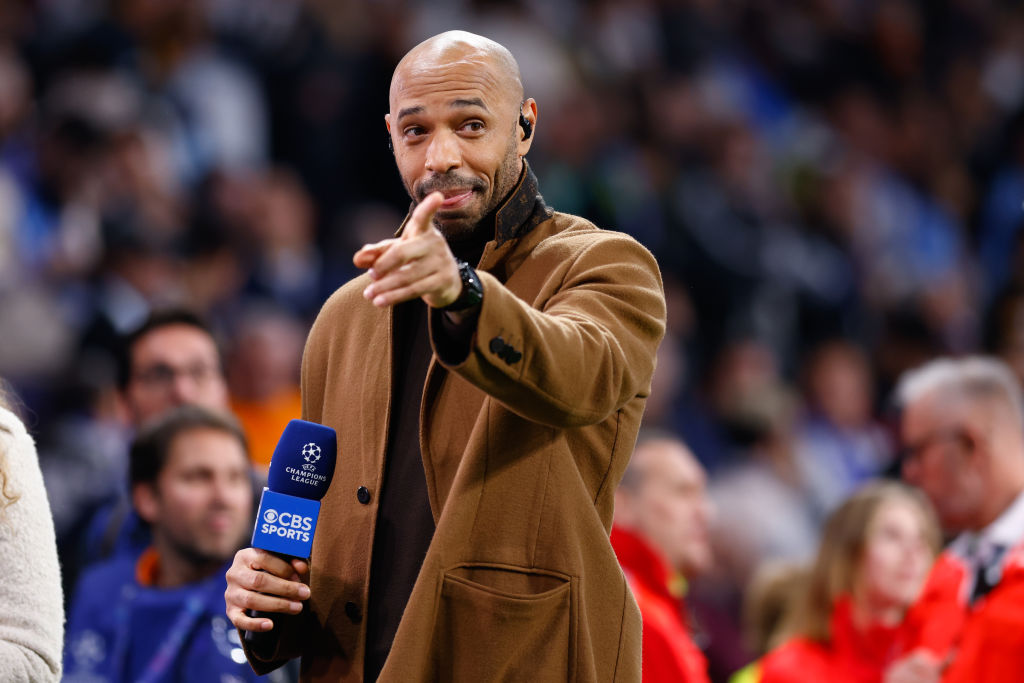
202,551
459,224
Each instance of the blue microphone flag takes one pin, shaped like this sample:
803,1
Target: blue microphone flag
286,524
303,460
300,473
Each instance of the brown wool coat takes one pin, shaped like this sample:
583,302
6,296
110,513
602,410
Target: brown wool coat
521,453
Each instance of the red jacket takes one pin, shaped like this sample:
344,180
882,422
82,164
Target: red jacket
668,652
983,641
851,656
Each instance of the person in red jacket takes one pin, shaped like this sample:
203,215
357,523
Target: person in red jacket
962,431
660,536
846,625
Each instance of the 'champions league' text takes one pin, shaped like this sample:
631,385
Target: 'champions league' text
308,478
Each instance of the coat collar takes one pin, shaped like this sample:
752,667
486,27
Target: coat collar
522,211
1007,531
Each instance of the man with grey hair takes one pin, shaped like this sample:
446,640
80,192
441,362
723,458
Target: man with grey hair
962,431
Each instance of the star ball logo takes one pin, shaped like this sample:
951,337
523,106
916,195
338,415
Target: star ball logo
311,454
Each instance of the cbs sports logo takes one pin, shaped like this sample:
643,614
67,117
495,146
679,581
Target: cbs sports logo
286,525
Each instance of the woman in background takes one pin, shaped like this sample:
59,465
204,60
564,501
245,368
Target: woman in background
875,553
31,601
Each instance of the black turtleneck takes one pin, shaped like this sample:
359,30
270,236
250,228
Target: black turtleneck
405,523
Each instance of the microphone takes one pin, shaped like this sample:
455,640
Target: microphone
300,472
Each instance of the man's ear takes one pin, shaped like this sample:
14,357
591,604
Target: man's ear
144,498
527,112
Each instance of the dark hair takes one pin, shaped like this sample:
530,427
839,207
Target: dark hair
156,321
151,447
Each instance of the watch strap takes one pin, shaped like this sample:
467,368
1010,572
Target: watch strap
472,289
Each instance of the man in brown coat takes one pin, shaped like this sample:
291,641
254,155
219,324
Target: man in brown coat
484,415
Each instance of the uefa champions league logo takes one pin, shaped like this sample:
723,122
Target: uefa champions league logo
311,454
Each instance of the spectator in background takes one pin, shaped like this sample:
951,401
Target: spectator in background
757,412
767,601
962,430
847,620
263,373
32,618
839,445
160,616
170,360
253,235
171,48
660,536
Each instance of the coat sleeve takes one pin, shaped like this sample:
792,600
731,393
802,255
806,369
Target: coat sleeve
578,353
32,618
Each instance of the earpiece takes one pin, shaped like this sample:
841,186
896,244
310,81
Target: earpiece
526,126
391,145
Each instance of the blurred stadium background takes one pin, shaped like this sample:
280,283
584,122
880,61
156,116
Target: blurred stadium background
833,189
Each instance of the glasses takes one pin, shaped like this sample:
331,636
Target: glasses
911,452
163,375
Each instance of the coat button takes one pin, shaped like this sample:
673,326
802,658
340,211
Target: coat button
497,345
363,495
352,611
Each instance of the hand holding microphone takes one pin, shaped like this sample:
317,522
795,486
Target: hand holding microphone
269,577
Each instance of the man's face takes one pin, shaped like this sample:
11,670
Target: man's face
937,458
454,126
171,366
670,509
201,505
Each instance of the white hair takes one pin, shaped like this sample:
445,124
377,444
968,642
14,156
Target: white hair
970,378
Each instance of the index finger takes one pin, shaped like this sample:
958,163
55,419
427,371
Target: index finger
272,564
423,215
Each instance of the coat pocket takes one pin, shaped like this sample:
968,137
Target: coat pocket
502,623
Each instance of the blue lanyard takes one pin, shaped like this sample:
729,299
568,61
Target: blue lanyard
169,648
165,655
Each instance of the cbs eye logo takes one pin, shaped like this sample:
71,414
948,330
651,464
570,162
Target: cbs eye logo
270,516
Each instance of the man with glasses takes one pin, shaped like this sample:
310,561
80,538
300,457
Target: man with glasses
171,360
962,430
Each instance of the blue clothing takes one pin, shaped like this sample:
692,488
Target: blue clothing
114,530
120,630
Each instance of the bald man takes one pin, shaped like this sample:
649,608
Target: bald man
662,512
486,377
962,432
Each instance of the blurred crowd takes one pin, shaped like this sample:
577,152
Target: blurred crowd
833,190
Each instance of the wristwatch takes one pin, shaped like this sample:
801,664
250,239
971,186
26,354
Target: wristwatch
472,290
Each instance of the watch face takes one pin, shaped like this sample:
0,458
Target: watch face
472,291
